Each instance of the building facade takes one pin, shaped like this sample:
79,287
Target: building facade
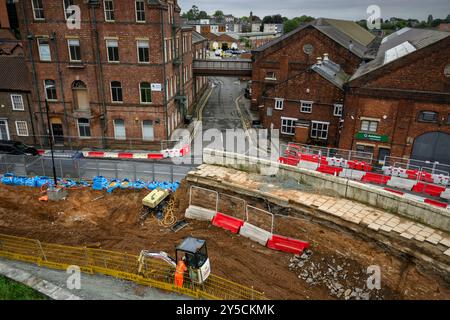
399,104
16,110
121,78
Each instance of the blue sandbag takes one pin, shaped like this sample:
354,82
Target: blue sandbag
113,185
99,183
31,182
152,185
139,184
126,184
8,179
40,181
19,180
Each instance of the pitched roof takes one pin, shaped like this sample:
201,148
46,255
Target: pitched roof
399,44
197,37
347,33
14,74
332,72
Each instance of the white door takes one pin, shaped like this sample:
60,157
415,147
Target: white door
119,129
147,130
4,132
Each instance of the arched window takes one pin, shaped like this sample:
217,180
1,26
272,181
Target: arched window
50,89
80,95
428,116
116,91
146,92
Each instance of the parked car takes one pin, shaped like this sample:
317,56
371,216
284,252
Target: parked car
17,148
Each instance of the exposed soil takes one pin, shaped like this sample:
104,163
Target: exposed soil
94,218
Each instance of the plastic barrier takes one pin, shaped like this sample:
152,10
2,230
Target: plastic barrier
96,154
375,178
329,170
154,156
286,244
436,203
352,174
254,233
308,165
401,183
289,160
199,213
430,189
446,194
227,222
394,191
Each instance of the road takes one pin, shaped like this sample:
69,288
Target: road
220,111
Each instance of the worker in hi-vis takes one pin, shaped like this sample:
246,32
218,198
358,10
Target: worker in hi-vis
179,272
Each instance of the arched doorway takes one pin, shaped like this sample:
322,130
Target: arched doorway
80,96
432,146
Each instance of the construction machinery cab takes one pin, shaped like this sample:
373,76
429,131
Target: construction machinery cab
196,258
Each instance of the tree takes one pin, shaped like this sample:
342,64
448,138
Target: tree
430,19
267,19
219,15
292,24
202,15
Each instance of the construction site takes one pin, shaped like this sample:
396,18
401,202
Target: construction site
332,265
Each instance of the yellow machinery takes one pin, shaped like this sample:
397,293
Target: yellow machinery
154,203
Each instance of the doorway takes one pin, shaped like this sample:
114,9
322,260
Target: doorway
4,132
58,131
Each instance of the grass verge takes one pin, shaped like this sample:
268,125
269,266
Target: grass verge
12,290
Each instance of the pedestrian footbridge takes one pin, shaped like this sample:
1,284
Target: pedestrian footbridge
223,67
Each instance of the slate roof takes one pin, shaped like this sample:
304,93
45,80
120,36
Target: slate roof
197,37
399,44
332,72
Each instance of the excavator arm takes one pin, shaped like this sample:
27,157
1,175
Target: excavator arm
155,255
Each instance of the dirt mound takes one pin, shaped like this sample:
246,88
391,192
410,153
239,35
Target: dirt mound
111,221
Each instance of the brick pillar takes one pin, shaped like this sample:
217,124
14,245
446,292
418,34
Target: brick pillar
4,19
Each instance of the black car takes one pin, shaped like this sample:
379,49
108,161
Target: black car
17,148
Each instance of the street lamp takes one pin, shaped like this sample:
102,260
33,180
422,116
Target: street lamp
50,131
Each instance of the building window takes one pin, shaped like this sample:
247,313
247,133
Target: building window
319,130
338,108
113,50
140,11
4,131
109,10
74,49
306,106
271,76
119,129
369,126
17,102
44,49
84,128
428,116
288,125
67,4
143,51
279,104
147,130
364,148
50,90
22,128
116,91
38,9
146,92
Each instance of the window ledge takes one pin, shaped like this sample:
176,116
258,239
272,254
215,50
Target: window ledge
76,65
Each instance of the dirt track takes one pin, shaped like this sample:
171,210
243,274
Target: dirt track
112,222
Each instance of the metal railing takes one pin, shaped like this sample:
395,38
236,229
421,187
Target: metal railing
89,168
149,272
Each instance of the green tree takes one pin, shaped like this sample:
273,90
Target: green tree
219,15
430,19
202,15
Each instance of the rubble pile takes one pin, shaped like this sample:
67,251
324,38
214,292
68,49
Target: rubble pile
335,273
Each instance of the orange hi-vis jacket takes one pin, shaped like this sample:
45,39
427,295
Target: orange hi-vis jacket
179,273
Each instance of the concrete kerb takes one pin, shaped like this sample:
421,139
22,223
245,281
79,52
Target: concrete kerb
46,288
436,217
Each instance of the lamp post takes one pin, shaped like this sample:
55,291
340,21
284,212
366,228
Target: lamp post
50,131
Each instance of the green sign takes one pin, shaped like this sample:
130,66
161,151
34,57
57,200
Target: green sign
372,137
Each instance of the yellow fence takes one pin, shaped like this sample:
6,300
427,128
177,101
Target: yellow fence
154,273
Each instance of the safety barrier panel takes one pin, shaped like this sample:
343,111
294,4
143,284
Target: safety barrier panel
436,203
286,244
150,272
227,222
329,170
254,233
199,213
375,178
430,189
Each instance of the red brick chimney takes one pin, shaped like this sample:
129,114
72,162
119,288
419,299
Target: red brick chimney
4,19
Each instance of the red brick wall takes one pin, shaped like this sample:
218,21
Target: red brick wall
423,87
129,72
322,92
291,50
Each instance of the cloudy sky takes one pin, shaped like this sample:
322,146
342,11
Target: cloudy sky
343,9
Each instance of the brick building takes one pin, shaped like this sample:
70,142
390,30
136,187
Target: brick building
200,44
399,103
293,55
308,106
16,120
123,78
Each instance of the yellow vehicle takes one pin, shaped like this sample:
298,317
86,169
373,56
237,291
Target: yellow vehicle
154,203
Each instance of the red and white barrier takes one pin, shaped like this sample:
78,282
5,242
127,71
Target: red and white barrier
168,153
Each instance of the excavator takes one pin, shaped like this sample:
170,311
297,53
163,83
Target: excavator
196,258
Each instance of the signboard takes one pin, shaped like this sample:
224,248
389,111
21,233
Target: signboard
156,87
372,137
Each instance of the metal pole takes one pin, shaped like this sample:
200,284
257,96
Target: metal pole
51,143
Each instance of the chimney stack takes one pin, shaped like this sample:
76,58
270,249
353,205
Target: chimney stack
319,61
325,57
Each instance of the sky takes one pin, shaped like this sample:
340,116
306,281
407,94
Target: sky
342,9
